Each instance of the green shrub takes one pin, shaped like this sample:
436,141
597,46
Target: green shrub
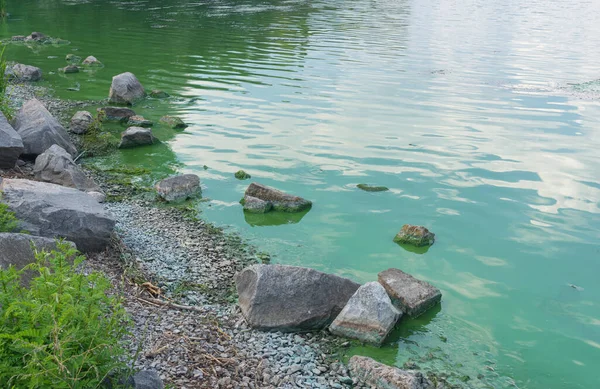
5,107
8,220
63,331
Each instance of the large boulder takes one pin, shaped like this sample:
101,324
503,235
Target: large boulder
40,130
136,136
17,250
368,316
80,122
126,89
11,145
379,376
179,187
55,165
290,298
116,114
408,294
415,235
279,200
26,72
56,211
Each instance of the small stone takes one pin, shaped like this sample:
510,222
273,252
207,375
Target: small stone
139,121
70,69
415,235
369,188
254,205
80,122
136,136
179,187
126,89
72,58
119,114
91,61
173,122
242,175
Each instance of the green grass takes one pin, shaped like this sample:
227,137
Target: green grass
8,220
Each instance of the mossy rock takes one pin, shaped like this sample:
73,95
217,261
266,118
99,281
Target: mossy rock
370,188
242,175
69,69
415,235
173,122
72,58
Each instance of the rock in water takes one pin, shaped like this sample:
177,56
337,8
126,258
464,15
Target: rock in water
72,58
80,122
370,188
290,298
173,122
158,94
56,211
126,89
139,121
415,235
254,205
242,175
117,114
26,72
136,136
178,187
279,200
70,69
40,130
380,376
368,316
91,61
36,36
55,165
408,294
15,249
11,144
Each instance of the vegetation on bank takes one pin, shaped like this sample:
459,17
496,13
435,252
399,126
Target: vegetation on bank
63,331
5,107
8,220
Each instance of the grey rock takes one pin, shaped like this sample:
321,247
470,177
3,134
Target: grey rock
415,235
380,376
139,121
368,316
52,211
25,72
290,298
18,38
36,36
408,294
126,89
147,379
136,136
281,201
255,205
55,165
118,114
40,130
11,144
72,58
173,122
91,61
98,196
16,250
70,69
179,187
80,122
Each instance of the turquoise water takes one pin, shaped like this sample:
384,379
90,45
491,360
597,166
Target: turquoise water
465,110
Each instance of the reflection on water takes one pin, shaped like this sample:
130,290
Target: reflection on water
481,117
273,218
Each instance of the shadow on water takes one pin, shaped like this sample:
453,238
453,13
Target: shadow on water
414,249
273,218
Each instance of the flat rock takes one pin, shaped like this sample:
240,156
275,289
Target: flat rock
55,165
147,379
11,144
116,114
39,130
179,187
23,72
136,136
368,316
291,298
173,122
52,211
415,235
379,376
16,250
139,121
126,89
255,205
80,122
408,294
91,61
280,201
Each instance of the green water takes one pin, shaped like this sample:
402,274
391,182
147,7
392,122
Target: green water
463,109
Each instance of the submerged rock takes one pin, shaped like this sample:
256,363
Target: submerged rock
72,58
80,122
179,187
55,165
379,376
115,114
126,89
290,298
91,61
18,38
70,69
280,201
242,175
11,144
36,36
40,130
139,121
369,188
23,72
173,122
54,211
254,205
136,136
415,235
368,316
408,294
158,94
